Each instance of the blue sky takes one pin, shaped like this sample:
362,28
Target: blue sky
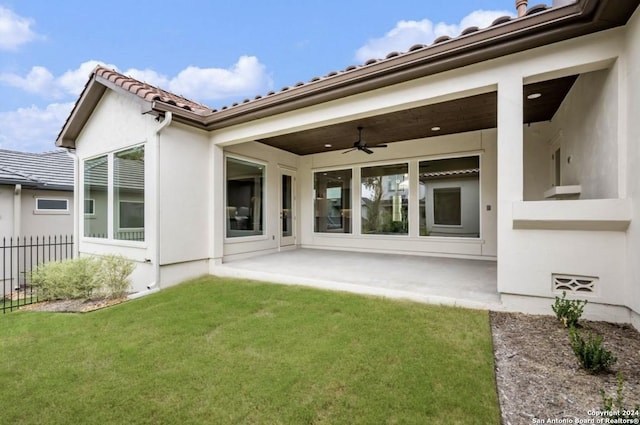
215,52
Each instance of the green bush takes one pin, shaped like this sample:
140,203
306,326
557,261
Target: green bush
616,407
84,277
67,279
568,311
113,275
592,356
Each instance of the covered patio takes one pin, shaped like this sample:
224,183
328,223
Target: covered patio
434,280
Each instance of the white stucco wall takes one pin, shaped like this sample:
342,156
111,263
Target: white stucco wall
631,124
185,187
562,241
39,223
7,193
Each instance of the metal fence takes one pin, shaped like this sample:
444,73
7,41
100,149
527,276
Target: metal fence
19,256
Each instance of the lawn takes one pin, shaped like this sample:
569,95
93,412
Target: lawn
221,351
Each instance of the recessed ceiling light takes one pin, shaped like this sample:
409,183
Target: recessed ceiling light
328,145
436,128
534,96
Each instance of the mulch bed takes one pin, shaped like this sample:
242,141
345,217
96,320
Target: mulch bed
539,378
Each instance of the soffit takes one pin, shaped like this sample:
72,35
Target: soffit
471,113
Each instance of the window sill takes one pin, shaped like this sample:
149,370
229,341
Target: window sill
583,214
563,192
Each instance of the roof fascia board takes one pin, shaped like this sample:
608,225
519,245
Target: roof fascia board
80,114
554,25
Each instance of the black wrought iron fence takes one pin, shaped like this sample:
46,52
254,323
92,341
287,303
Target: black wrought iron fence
19,256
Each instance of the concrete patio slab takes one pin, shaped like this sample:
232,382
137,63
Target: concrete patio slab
434,280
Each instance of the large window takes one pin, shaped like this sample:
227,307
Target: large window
450,197
95,188
332,201
245,198
384,194
118,205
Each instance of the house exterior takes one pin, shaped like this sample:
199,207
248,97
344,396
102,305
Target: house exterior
516,143
36,194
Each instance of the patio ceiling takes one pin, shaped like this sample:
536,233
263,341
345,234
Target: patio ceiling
456,116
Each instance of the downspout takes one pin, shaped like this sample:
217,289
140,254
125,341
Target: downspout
155,285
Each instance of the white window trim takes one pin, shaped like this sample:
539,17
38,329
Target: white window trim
53,211
110,239
265,201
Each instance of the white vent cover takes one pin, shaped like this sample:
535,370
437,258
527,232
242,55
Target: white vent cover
573,283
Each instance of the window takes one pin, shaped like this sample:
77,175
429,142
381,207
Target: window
384,194
245,198
118,205
128,192
446,206
450,197
52,205
89,206
332,201
95,188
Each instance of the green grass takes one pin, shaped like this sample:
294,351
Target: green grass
220,351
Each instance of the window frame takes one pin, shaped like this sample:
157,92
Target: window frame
265,200
352,182
113,222
52,211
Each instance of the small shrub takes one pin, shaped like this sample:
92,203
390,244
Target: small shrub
616,407
568,311
67,279
113,275
592,356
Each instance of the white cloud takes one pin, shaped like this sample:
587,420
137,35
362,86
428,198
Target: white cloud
14,30
245,78
407,33
33,129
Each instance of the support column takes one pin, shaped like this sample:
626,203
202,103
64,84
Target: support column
510,172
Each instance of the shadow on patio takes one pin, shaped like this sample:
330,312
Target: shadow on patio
434,280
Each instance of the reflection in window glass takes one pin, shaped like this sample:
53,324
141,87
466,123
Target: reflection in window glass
245,198
95,188
332,201
384,194
450,197
128,192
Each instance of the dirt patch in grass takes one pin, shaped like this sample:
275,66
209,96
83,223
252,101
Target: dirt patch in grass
73,306
539,378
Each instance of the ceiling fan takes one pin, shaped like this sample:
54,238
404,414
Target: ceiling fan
361,145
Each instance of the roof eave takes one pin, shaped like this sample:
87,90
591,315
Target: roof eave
553,25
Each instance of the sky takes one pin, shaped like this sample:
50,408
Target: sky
211,51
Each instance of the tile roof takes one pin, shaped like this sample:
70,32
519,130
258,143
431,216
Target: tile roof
151,93
49,170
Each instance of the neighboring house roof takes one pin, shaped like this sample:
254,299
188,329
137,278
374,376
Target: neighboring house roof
48,170
539,27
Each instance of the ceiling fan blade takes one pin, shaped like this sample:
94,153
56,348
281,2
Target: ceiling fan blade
367,150
377,146
350,150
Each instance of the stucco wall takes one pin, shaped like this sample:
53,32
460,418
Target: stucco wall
631,72
185,188
41,223
585,128
6,211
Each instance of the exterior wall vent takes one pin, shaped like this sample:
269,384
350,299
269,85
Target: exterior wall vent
573,283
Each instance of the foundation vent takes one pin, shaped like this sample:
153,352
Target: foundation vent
575,284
